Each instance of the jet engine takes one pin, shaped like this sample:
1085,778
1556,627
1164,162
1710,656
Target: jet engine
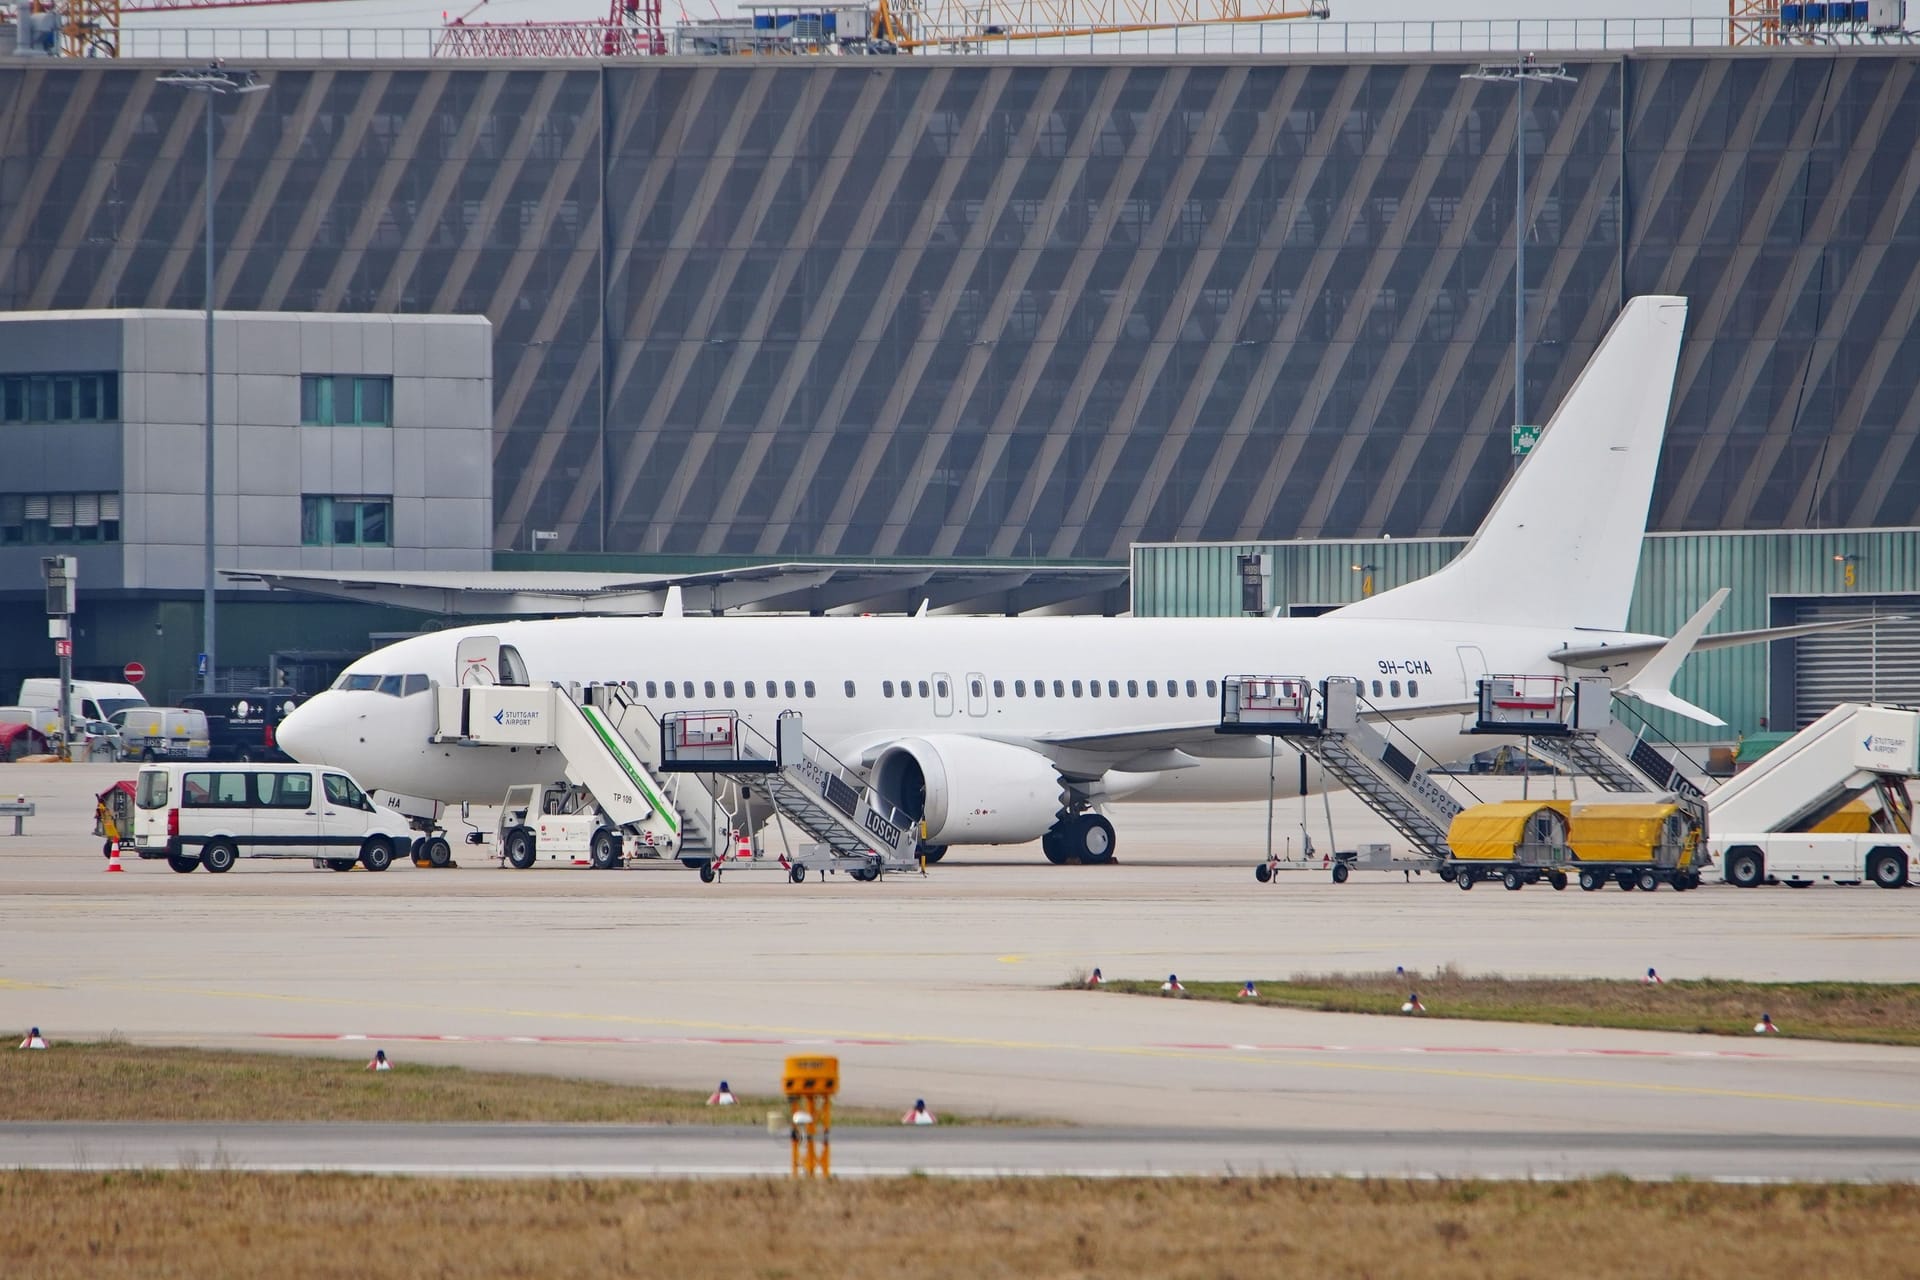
970,790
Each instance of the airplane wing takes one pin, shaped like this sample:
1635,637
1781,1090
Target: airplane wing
1599,657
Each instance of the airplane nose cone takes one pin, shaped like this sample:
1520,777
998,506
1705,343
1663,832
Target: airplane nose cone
300,735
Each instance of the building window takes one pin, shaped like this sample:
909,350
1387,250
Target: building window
345,400
33,519
59,397
331,520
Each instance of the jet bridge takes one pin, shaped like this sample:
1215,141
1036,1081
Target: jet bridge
855,828
610,746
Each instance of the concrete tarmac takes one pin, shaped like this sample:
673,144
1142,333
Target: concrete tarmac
947,988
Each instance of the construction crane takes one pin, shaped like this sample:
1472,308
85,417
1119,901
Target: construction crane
91,29
949,23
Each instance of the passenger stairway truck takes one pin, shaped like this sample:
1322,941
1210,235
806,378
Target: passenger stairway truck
854,828
1653,834
1368,762
610,806
1830,803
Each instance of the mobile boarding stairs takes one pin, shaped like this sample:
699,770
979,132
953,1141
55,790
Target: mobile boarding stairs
1385,770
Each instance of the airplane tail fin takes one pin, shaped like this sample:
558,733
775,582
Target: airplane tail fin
1561,546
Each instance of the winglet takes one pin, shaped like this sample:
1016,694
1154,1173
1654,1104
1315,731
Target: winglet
1653,683
675,606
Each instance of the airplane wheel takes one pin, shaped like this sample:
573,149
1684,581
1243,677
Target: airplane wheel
932,853
520,850
1340,873
606,849
1055,851
1088,840
438,852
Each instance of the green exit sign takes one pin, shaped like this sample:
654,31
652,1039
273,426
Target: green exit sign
1524,438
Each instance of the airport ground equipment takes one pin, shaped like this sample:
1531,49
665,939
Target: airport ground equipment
1655,838
1382,772
1518,842
854,828
1795,816
611,807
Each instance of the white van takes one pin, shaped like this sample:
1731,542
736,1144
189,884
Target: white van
163,733
210,815
91,699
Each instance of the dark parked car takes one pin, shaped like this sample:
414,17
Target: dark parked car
242,726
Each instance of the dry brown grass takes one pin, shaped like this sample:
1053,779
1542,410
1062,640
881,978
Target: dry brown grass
119,1081
1864,1012
214,1224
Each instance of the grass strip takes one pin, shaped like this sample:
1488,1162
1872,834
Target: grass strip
223,1223
1860,1012
114,1080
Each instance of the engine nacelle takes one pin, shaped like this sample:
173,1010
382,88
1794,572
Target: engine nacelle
970,790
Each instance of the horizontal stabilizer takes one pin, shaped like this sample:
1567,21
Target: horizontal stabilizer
1653,683
1602,657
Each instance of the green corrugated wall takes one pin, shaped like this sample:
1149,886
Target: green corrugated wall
1678,571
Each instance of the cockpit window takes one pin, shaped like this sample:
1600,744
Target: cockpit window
357,681
415,684
391,685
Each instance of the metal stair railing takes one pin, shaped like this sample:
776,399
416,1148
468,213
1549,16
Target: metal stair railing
1596,743
697,806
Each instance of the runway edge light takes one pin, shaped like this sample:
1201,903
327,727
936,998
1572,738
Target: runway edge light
1248,991
919,1114
1095,979
721,1097
379,1061
1765,1026
34,1040
1653,978
1413,1004
1172,987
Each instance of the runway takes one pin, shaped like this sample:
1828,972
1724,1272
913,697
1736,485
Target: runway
947,988
1101,1152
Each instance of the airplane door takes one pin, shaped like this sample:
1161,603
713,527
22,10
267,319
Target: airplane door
976,694
1473,668
942,694
477,661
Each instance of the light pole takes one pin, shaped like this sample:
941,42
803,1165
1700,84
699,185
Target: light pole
215,81
1518,73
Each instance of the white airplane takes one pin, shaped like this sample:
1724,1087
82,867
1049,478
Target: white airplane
1004,730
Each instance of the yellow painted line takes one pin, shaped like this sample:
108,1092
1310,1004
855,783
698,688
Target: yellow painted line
1043,1046
1013,959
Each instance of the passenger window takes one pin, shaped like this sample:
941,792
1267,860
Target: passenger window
652,690
1093,688
886,688
1192,690
940,687
1060,688
977,688
1019,688
709,688
1152,689
1376,689
415,684
230,789
790,689
999,689
1393,687
1076,689
1213,690
923,689
1413,688
726,688
849,688
749,688
808,685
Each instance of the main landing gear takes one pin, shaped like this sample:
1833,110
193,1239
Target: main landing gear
1080,837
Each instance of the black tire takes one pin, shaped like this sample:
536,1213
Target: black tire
864,874
606,849
1591,881
932,853
1340,872
1263,873
376,854
1558,879
1887,868
1464,879
438,852
1799,884
183,865
796,874
1056,851
1745,867
218,856
1625,880
1447,874
520,849
339,864
1089,840
1512,880
1648,881
707,874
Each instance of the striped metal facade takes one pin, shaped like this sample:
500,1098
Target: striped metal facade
1776,579
1041,307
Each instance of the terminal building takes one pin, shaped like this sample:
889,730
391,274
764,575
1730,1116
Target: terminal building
1014,310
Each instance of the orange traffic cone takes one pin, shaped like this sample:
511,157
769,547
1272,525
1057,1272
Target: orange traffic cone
34,1040
743,849
379,1061
113,856
721,1097
919,1114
